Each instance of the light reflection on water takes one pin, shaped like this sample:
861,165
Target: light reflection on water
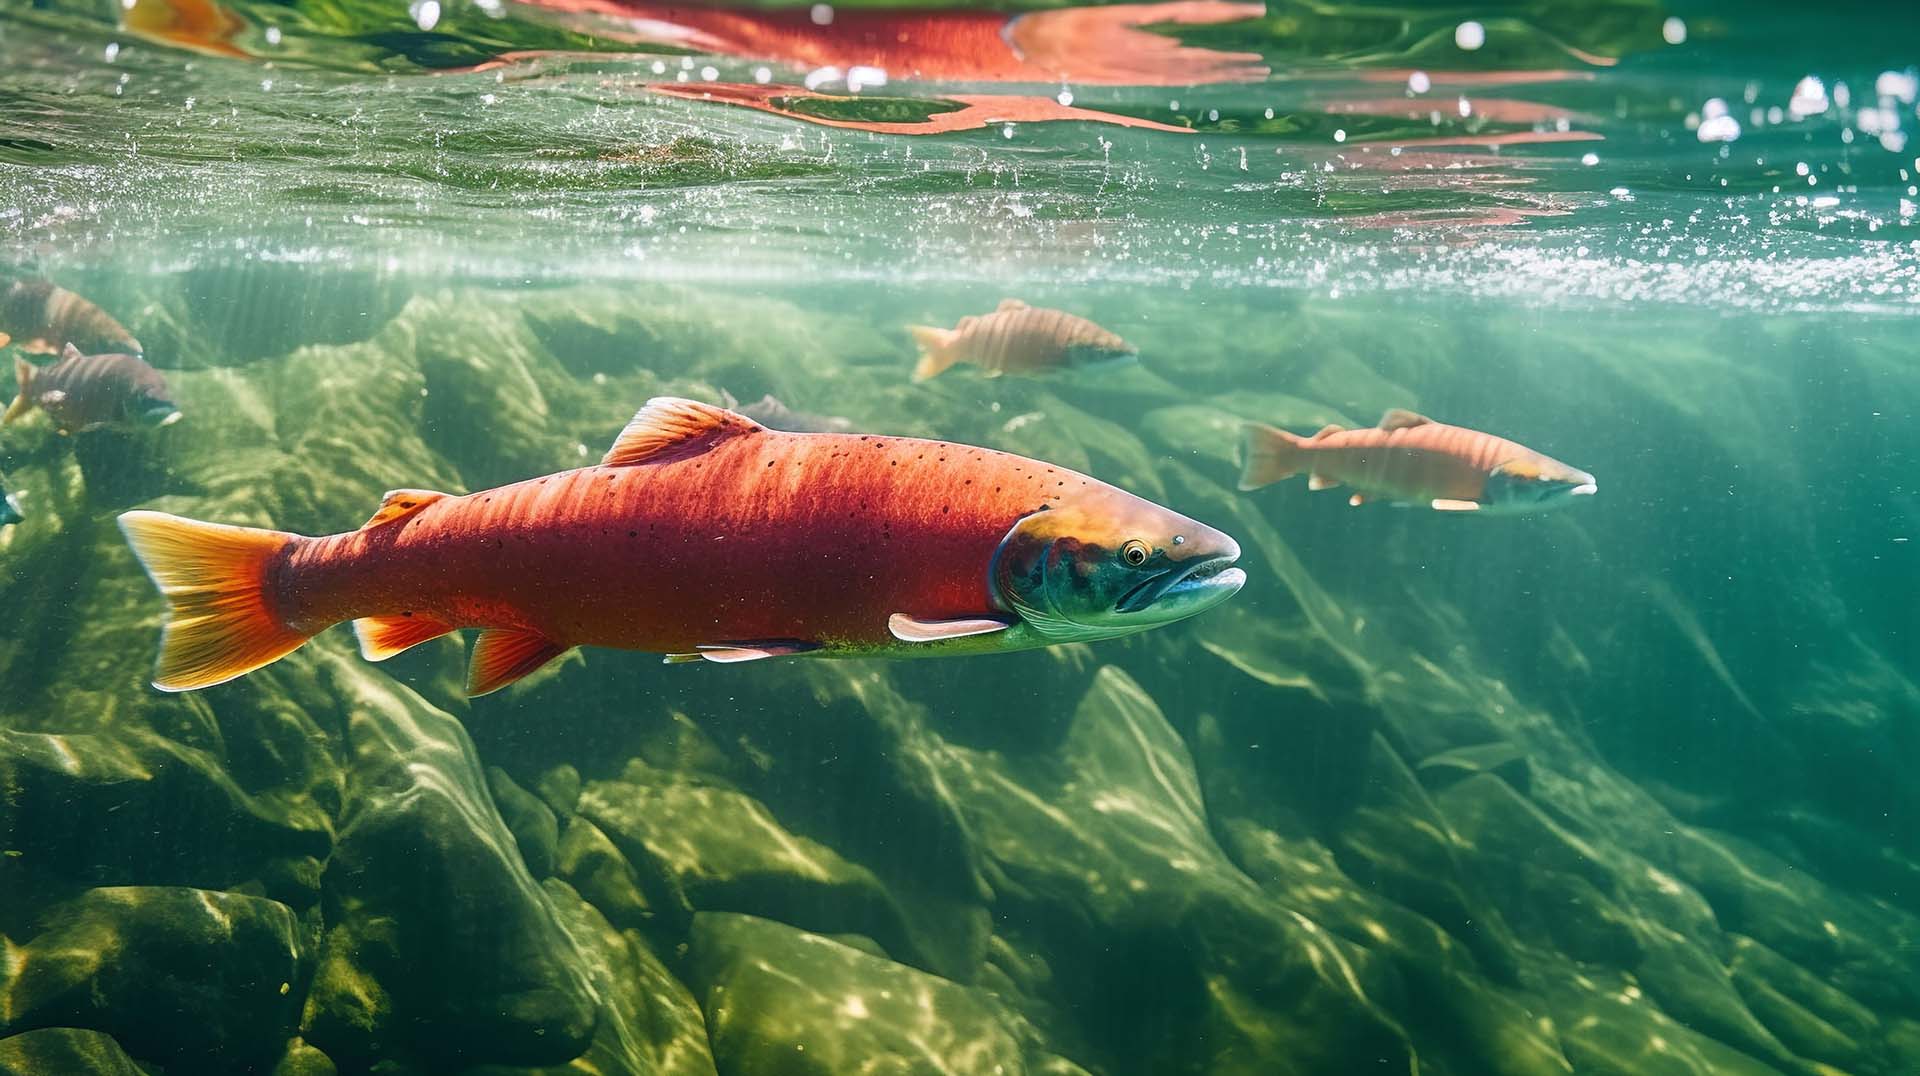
1604,150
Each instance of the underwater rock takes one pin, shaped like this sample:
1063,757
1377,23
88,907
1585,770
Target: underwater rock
302,1059
784,1001
1102,861
439,943
559,789
594,867
531,822
68,1051
706,848
649,1023
84,807
186,977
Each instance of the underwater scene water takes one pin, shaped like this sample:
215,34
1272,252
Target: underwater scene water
1099,732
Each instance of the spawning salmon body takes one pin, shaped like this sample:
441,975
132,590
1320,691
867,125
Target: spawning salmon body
45,318
818,537
1018,338
81,392
1415,463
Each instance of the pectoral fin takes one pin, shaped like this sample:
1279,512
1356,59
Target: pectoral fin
1356,500
1444,504
504,655
909,629
730,653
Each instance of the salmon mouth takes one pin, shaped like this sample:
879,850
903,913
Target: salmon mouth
1185,589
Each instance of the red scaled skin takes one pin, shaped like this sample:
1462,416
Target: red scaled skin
816,538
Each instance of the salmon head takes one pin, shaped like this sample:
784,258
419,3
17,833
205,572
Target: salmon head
1534,482
1103,563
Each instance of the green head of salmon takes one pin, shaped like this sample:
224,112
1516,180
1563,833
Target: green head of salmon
1527,485
1109,564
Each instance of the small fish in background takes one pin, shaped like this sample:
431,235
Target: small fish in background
1017,339
84,392
45,318
1410,459
773,414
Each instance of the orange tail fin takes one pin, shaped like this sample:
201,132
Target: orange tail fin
1268,455
213,577
22,370
935,350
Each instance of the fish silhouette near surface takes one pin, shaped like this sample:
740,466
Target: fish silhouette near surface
44,318
770,412
1410,459
704,536
1017,339
84,392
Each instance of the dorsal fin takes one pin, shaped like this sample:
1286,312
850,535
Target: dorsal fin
71,352
398,504
671,425
1328,430
1009,304
1401,419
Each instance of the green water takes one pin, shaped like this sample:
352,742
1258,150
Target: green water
1625,787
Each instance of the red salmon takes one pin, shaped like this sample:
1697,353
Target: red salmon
1410,459
702,535
46,318
82,392
1017,339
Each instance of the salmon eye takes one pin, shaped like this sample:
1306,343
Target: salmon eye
1134,553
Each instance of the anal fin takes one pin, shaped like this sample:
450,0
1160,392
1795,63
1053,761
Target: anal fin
398,504
503,655
909,629
381,637
1320,481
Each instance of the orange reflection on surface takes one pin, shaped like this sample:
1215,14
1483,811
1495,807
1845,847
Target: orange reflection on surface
200,25
1492,109
1107,45
1508,138
972,111
1465,217
1429,169
1454,80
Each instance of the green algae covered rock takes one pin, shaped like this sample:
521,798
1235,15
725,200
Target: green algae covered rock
438,936
186,976
782,1000
1102,862
707,848
535,829
68,1051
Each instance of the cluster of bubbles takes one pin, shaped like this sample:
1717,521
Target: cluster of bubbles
1894,93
